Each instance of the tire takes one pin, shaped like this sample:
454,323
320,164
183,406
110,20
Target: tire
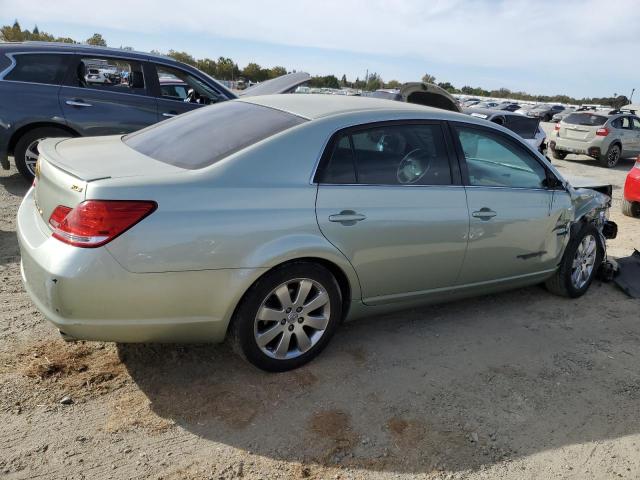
26,150
611,158
630,209
565,282
559,155
546,118
280,317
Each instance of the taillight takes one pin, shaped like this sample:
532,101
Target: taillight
93,223
557,127
602,132
58,215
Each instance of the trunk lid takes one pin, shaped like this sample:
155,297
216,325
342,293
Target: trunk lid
66,167
581,126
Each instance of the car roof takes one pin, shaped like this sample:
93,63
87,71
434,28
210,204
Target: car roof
10,47
314,106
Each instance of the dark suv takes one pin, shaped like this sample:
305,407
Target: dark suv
63,90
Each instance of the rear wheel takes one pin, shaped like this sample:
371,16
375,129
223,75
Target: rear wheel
579,264
288,316
26,150
611,158
630,209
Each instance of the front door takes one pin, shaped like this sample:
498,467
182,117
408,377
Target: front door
389,200
107,96
515,230
179,91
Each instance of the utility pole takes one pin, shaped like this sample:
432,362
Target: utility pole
631,97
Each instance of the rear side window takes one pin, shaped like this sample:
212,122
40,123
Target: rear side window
112,74
39,68
407,154
586,119
204,136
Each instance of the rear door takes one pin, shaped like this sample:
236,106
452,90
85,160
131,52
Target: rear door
116,100
390,199
514,228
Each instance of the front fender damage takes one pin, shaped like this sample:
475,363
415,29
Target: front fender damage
591,205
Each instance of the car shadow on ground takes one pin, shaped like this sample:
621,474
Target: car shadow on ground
624,164
15,184
453,387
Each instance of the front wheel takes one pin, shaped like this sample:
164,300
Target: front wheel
611,158
579,264
559,155
288,316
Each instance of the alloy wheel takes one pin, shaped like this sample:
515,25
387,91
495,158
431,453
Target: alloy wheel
31,156
292,318
584,261
613,156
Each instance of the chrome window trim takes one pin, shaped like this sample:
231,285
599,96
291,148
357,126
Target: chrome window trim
364,125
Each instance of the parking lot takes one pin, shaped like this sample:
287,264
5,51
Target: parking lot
522,385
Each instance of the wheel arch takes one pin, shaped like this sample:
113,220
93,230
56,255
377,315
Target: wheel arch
346,283
15,137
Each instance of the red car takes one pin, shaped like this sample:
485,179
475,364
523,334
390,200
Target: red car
631,202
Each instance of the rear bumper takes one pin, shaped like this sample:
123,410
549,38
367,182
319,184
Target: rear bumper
576,146
88,295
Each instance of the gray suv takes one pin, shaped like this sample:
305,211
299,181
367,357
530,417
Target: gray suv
67,90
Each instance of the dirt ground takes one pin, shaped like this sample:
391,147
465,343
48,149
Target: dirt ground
520,385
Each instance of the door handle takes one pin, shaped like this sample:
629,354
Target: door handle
169,114
78,103
347,217
484,214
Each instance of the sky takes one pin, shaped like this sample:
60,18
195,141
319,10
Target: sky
583,48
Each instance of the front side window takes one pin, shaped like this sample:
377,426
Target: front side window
206,135
493,161
110,74
39,68
407,154
176,84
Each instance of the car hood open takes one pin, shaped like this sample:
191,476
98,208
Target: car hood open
282,84
429,95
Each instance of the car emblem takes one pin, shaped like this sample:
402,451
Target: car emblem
76,188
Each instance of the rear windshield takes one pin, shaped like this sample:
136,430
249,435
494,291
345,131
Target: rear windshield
588,119
200,138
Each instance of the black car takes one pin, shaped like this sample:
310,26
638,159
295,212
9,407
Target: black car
63,90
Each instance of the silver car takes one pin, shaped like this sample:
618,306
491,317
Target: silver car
272,219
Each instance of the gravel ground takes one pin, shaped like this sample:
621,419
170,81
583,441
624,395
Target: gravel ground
519,385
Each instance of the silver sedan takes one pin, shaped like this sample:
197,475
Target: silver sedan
269,220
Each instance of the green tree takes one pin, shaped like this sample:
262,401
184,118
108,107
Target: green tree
252,72
343,80
448,87
277,71
426,78
208,66
226,69
96,39
374,82
183,57
392,84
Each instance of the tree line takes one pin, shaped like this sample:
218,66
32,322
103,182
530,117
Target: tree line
225,68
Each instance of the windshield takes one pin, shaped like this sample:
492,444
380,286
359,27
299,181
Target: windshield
587,119
204,136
